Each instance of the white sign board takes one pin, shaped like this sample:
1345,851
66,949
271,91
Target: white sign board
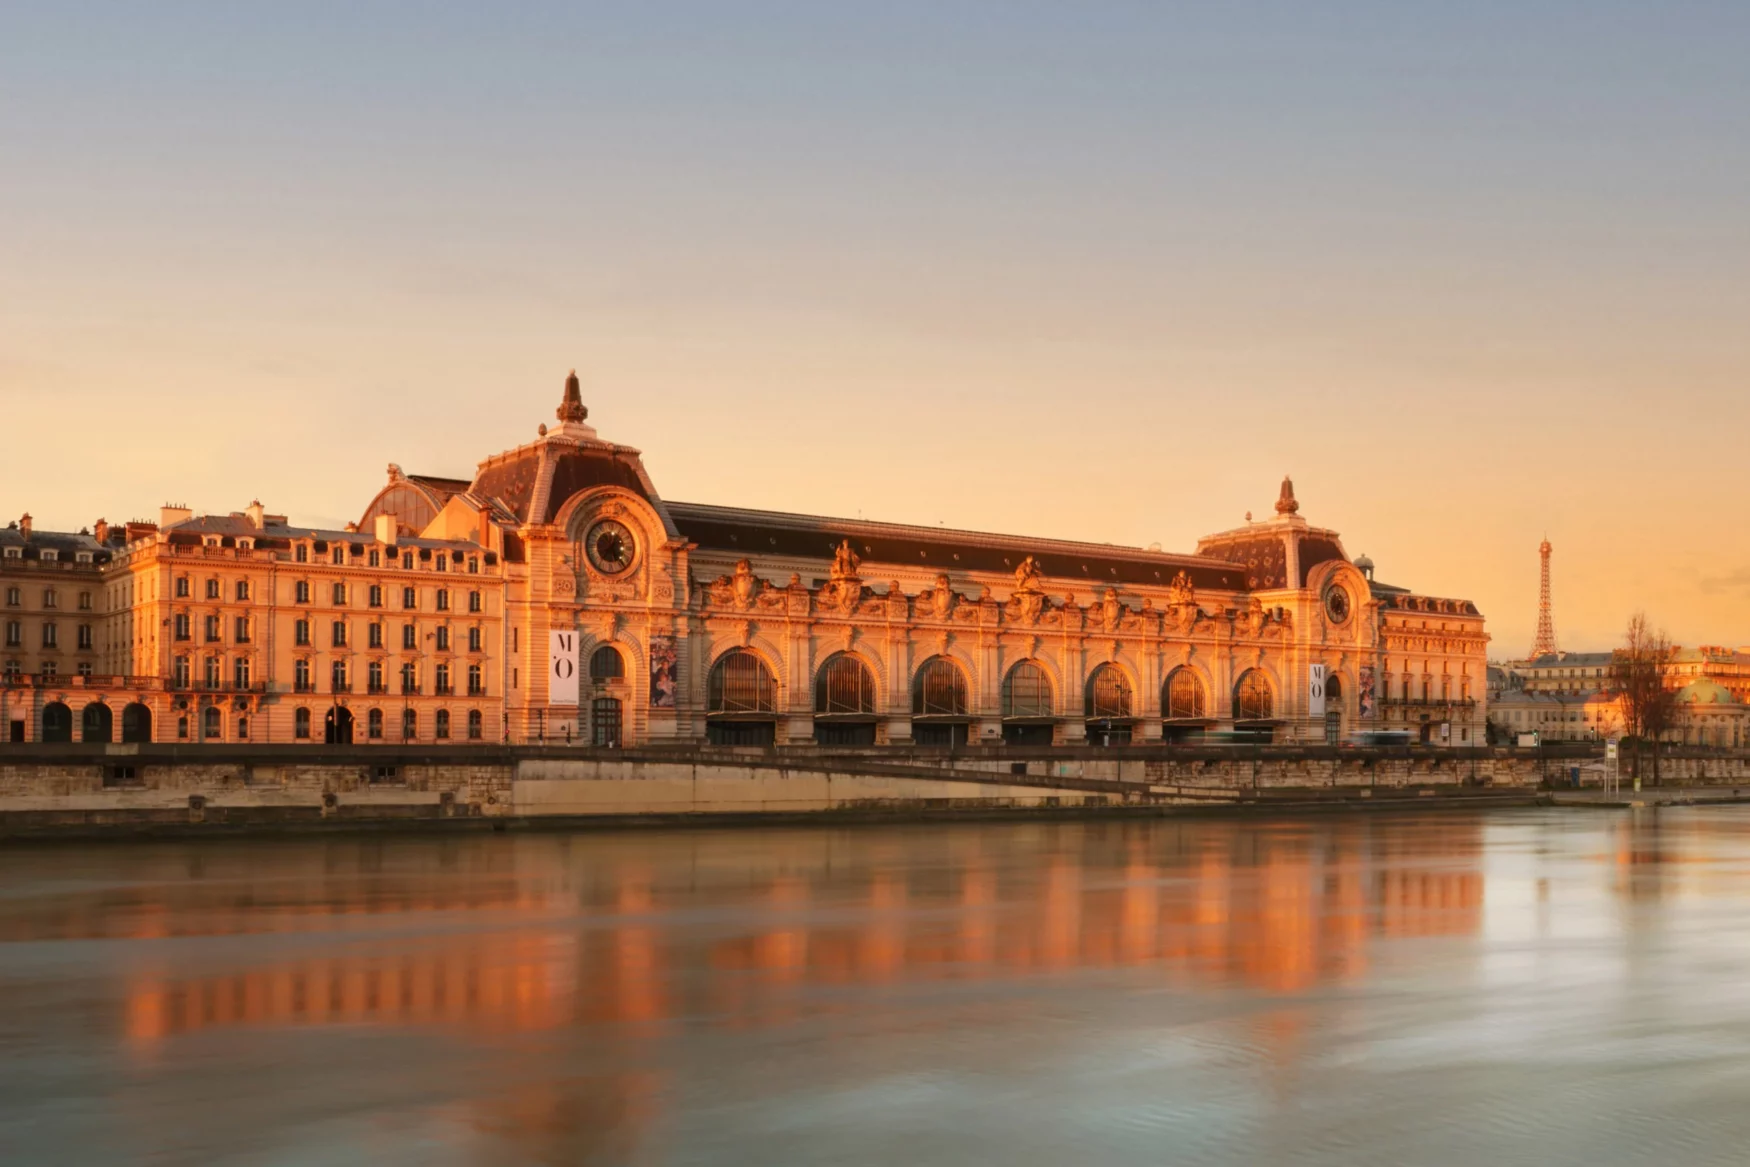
562,668
1315,691
1610,749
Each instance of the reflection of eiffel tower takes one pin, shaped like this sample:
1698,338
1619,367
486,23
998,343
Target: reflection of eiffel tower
1545,644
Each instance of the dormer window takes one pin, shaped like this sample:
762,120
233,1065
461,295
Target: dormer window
302,554
82,556
49,556
15,553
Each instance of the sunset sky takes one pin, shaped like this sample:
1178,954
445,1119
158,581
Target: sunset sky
1471,273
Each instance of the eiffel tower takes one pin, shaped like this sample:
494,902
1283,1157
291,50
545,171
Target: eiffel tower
1545,644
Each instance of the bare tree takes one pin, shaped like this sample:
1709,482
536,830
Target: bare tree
1637,677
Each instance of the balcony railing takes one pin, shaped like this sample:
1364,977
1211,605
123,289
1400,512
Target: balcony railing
76,681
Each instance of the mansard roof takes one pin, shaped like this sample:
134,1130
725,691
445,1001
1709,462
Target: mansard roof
748,532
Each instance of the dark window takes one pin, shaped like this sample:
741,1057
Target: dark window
376,591
242,630
443,599
606,664
441,679
409,598
476,725
84,636
476,681
409,636
182,587
409,724
473,597
375,678
337,676
441,727
301,591
301,723
301,677
375,636
212,723
212,589
338,632
374,724
242,589
301,632
473,640
339,591
211,625
180,626
443,639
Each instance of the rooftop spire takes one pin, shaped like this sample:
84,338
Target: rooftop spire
571,409
1285,504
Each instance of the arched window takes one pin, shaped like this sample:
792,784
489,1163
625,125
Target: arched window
606,664
1253,699
57,723
476,725
374,724
137,723
1184,695
1108,693
939,690
409,724
96,723
441,727
740,682
1027,691
212,722
845,685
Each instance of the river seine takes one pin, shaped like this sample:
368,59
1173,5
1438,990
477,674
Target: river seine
1533,986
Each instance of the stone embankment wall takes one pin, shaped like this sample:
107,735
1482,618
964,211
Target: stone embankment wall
48,789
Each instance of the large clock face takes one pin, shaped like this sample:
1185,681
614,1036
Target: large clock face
1337,605
610,547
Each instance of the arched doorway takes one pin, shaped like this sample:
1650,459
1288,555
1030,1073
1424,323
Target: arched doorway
137,723
96,723
844,703
337,726
741,701
1333,709
57,722
1028,706
939,708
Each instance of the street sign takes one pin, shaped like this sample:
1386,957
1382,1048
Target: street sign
1315,690
1610,749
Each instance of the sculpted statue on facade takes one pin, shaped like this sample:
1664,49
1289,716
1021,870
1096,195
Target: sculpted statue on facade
1181,590
1111,610
941,599
845,562
1028,575
746,585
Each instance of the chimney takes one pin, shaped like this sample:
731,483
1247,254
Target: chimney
24,523
100,531
169,516
257,514
386,528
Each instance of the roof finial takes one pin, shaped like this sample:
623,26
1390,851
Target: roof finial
1285,504
571,409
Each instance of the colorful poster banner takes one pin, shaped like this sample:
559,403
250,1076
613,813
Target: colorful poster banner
662,667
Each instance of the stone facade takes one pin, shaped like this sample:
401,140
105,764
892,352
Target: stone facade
689,623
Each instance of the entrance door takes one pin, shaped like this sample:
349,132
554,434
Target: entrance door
604,721
1333,710
136,723
337,726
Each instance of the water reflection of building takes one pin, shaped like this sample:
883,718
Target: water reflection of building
1214,904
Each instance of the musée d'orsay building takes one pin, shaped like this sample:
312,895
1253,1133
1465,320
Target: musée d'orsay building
556,596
